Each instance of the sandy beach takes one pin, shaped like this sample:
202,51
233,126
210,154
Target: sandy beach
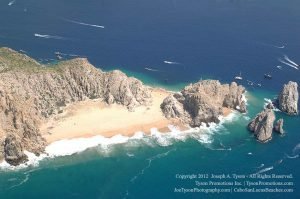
94,117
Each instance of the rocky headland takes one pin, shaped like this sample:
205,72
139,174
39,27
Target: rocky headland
30,93
36,99
203,102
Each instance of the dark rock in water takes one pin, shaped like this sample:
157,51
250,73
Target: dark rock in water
243,107
270,106
288,98
262,125
278,127
13,149
203,102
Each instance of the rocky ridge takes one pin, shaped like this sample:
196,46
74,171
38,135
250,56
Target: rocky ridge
203,101
31,92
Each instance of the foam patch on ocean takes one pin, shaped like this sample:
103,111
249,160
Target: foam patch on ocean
203,134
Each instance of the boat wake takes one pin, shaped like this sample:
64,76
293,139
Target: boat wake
48,36
288,64
290,61
84,24
150,160
264,170
11,3
152,69
171,62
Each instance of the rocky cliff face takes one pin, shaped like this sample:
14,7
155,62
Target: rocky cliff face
203,102
288,98
31,92
262,125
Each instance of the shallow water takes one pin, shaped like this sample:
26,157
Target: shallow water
208,39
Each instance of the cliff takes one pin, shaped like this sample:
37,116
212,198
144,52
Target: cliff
203,102
262,125
31,92
288,98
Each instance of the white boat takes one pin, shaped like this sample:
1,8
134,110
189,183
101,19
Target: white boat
238,77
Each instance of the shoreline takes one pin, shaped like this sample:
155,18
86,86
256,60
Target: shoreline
93,117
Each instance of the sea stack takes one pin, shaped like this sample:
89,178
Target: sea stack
262,125
203,102
288,98
278,127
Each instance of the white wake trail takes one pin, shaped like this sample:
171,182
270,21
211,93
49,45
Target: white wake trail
84,24
170,62
289,60
11,3
48,36
152,69
293,66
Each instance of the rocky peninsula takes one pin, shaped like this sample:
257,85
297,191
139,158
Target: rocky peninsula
40,104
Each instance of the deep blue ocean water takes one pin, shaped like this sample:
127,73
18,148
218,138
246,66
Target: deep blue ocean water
215,39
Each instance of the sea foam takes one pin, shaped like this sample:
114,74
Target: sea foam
203,134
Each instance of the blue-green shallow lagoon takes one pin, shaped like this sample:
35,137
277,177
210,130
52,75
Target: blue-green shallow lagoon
145,169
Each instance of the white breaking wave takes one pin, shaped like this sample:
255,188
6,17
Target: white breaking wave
170,62
267,101
291,65
202,134
48,36
279,67
11,3
84,24
289,60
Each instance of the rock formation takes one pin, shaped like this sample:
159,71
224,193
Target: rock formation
262,125
31,92
203,102
288,98
278,127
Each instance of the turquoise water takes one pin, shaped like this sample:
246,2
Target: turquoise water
146,169
215,39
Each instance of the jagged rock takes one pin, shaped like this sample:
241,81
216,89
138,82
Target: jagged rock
30,93
243,107
13,149
172,108
288,98
278,127
270,106
203,102
262,125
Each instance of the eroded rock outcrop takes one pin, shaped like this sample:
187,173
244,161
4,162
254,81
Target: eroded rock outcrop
31,92
288,98
13,149
203,102
262,125
278,127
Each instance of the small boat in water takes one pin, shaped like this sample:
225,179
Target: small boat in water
267,76
238,77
